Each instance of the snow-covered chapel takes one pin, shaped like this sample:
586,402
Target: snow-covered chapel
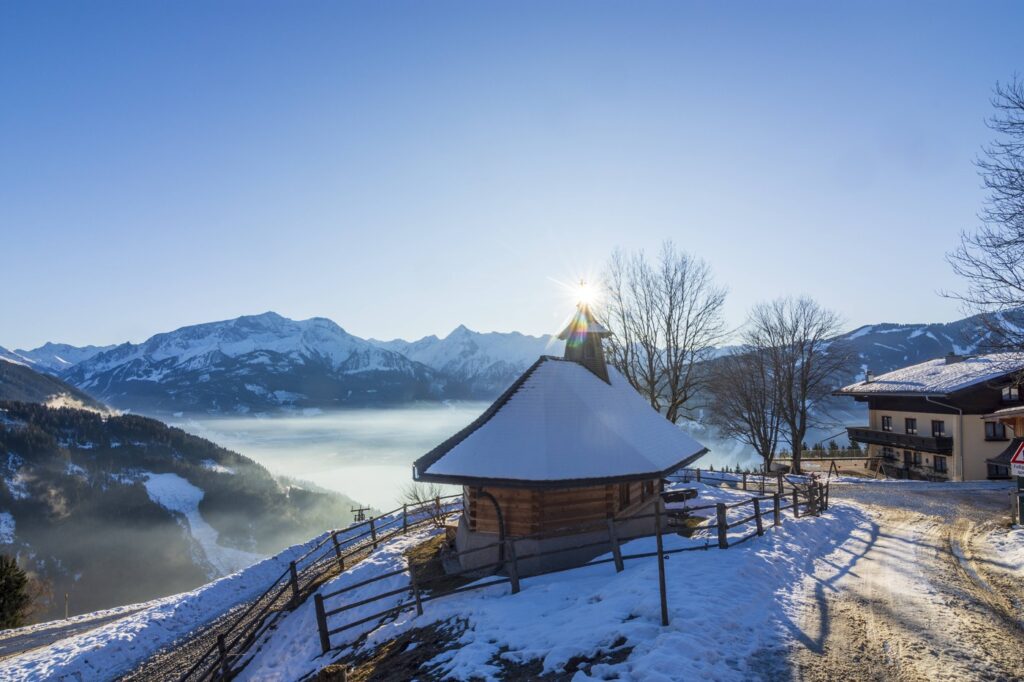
570,443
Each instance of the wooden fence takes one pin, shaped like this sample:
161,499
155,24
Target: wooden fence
752,512
335,550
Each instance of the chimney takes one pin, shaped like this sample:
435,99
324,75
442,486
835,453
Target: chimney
953,358
869,376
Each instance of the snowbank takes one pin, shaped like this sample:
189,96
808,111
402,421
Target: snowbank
291,649
726,608
116,648
1008,545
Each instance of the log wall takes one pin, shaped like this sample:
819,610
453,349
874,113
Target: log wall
529,511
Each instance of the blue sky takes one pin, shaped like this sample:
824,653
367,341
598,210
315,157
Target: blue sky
406,167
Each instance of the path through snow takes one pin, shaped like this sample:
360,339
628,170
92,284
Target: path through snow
917,595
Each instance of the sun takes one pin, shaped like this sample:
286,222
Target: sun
587,293
581,290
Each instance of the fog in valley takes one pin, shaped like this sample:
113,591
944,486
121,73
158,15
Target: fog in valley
367,454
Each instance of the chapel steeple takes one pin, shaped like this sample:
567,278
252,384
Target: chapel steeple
583,341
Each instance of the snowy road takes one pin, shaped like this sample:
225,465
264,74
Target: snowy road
918,596
20,640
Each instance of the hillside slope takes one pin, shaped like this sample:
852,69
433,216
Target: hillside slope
123,509
21,383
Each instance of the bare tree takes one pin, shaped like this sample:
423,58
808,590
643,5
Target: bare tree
991,258
425,498
744,400
797,337
666,317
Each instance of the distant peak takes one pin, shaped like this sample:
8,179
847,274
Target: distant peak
269,316
461,330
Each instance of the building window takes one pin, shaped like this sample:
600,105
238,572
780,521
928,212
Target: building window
998,471
887,423
940,464
938,428
648,489
911,425
888,452
995,431
906,458
623,495
917,459
1011,394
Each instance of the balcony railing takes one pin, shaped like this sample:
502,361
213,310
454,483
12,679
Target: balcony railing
942,445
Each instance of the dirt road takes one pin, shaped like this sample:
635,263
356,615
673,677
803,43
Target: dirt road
916,597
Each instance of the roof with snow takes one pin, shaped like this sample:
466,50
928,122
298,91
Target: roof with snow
559,425
939,377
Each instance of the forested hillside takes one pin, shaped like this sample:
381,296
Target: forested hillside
119,509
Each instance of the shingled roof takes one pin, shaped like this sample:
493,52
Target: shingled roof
559,425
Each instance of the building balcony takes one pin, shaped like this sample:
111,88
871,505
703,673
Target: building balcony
942,445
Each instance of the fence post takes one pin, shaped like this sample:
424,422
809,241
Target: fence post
762,484
723,541
812,500
337,550
796,504
222,650
778,482
415,592
294,580
698,474
405,518
744,480
777,512
373,531
437,509
827,489
321,623
613,537
661,563
757,516
512,565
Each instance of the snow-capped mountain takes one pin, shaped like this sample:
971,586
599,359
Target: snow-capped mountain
14,357
54,358
479,364
253,363
885,347
265,363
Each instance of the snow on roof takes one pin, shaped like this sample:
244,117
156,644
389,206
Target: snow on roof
937,377
560,423
1007,412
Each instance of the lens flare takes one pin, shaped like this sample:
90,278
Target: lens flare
587,293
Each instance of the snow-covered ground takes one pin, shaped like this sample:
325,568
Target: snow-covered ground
930,589
6,528
175,494
728,610
117,647
1008,544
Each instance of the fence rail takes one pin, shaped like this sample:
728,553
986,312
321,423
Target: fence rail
331,553
812,497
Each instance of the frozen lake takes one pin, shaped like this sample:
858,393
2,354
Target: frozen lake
366,454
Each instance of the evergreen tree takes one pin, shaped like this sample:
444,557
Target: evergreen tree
15,601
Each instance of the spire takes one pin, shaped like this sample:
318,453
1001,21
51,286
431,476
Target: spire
583,341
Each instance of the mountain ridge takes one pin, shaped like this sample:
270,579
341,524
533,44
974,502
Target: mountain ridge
266,363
